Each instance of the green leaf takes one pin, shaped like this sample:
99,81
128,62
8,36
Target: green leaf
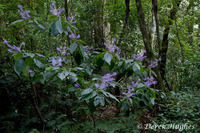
54,30
82,51
73,47
18,56
59,26
39,25
30,55
89,96
99,99
125,106
136,67
17,21
140,85
86,91
63,75
107,94
39,63
113,84
19,65
25,70
47,75
107,58
40,55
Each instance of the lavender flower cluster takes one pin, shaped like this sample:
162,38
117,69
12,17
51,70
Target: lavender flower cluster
56,11
106,78
87,49
24,14
57,62
111,47
153,64
62,51
141,56
72,35
131,89
71,19
13,48
150,81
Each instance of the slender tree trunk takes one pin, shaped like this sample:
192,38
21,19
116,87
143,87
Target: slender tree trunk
165,40
106,25
155,10
147,41
127,2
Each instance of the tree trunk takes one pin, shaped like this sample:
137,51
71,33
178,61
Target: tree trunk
155,10
165,40
147,41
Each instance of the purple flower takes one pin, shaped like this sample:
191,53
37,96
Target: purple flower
13,48
130,91
150,81
140,57
56,11
71,19
68,28
134,84
106,78
31,71
57,62
97,85
62,51
78,36
111,47
87,48
76,85
9,50
114,40
24,14
72,35
153,64
58,49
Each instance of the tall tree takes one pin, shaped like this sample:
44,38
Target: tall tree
165,40
147,41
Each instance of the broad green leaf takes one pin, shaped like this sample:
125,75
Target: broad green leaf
40,55
47,75
19,65
140,85
30,55
54,30
18,56
39,63
59,26
136,67
72,74
113,84
125,106
73,47
82,51
86,91
99,99
89,96
107,94
63,75
107,58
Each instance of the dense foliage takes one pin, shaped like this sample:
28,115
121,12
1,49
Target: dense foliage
99,66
